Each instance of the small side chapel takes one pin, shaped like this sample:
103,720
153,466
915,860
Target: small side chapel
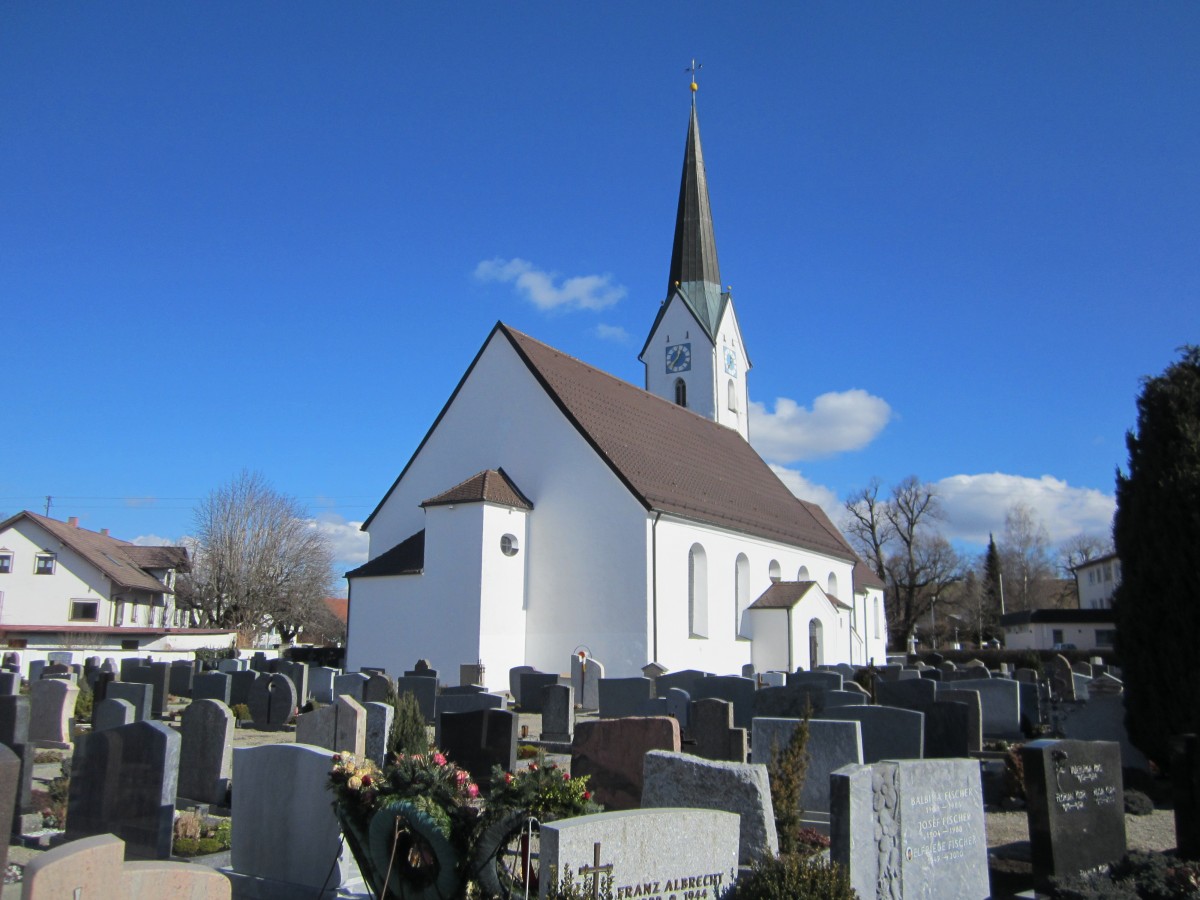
552,507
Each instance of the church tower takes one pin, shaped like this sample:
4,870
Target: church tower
694,355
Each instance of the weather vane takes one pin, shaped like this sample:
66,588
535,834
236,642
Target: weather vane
693,69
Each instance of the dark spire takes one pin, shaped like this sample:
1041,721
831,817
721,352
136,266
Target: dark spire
694,270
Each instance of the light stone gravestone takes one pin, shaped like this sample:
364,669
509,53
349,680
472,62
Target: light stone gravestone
123,781
320,683
585,679
212,686
629,846
831,745
206,751
60,657
379,726
36,667
51,708
94,868
1000,705
1075,805
352,683
351,726
112,713
231,665
424,690
682,780
911,828
285,861
827,681
378,688
272,702
514,680
139,694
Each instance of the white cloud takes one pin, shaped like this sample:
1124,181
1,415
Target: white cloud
349,543
547,290
154,540
612,333
837,422
975,505
810,491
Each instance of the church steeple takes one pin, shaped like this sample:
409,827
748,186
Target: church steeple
694,354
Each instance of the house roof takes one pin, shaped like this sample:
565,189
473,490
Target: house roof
1094,561
864,577
406,558
490,486
339,607
121,562
786,594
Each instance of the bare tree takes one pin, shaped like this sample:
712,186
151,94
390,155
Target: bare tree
1081,548
899,538
258,561
1029,576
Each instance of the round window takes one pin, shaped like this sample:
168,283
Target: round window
509,545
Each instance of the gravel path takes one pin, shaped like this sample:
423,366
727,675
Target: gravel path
1153,832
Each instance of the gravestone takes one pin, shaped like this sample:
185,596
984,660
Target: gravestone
51,708
140,695
1102,718
558,714
320,683
94,868
470,673
352,683
463,690
318,728
1061,677
228,666
612,753
619,697
422,669
947,724
1000,705
298,673
514,680
112,713
60,657
1026,675
825,680
531,684
377,688
289,861
790,702
10,684
351,731
123,781
212,686
158,676
424,690
272,702
585,679
241,684
480,739
14,734
845,698
379,726
10,791
968,697
831,745
887,731
684,680
911,828
737,690
713,733
681,780
679,705
1075,805
1185,791
182,674
463,703
259,662
630,847
206,751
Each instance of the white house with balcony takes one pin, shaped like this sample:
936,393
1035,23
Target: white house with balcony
552,507
63,587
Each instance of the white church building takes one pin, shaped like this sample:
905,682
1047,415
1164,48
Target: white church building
552,507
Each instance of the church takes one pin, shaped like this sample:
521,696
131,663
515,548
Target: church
552,508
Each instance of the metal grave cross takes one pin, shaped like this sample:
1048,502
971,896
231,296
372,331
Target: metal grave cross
595,870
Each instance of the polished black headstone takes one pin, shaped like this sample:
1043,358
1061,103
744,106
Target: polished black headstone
480,739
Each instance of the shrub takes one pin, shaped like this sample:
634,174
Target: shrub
543,791
54,814
786,772
241,712
792,877
1014,773
567,889
408,735
1138,874
527,751
1138,804
84,702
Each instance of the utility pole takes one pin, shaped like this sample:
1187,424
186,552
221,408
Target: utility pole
48,499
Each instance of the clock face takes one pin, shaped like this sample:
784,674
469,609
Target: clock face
730,361
679,357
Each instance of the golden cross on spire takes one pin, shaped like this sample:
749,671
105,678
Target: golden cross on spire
693,69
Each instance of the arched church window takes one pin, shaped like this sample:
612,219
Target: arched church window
802,575
741,596
732,396
697,592
680,392
816,652
831,585
774,571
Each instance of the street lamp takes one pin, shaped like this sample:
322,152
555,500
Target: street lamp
933,623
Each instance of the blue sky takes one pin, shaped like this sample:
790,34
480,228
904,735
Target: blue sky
273,235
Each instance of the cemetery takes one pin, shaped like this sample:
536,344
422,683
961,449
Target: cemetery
903,780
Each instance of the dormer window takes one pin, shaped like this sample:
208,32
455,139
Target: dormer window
6,563
680,392
44,564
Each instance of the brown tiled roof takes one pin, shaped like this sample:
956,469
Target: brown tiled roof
674,460
120,561
406,558
340,607
159,557
491,486
864,577
786,594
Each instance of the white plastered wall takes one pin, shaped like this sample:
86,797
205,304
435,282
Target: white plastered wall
679,326
30,599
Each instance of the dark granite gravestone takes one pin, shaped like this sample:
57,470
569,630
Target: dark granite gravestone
683,679
123,782
463,690
112,713
205,751
1075,805
558,713
182,674
99,681
298,672
947,724
826,680
422,670
888,732
14,734
211,686
378,688
791,702
140,695
259,661
449,704
241,683
514,680
424,690
479,740
272,702
712,731
159,679
10,789
1185,783
55,670
10,684
737,690
131,666
621,697
532,684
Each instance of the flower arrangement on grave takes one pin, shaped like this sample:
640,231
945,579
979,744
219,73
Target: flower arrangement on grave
435,786
542,790
355,782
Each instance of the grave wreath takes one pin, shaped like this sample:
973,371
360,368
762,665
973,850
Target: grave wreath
410,825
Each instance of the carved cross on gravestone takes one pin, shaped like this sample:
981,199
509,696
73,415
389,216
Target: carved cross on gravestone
595,870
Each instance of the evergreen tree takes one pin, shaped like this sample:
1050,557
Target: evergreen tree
1157,532
992,586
